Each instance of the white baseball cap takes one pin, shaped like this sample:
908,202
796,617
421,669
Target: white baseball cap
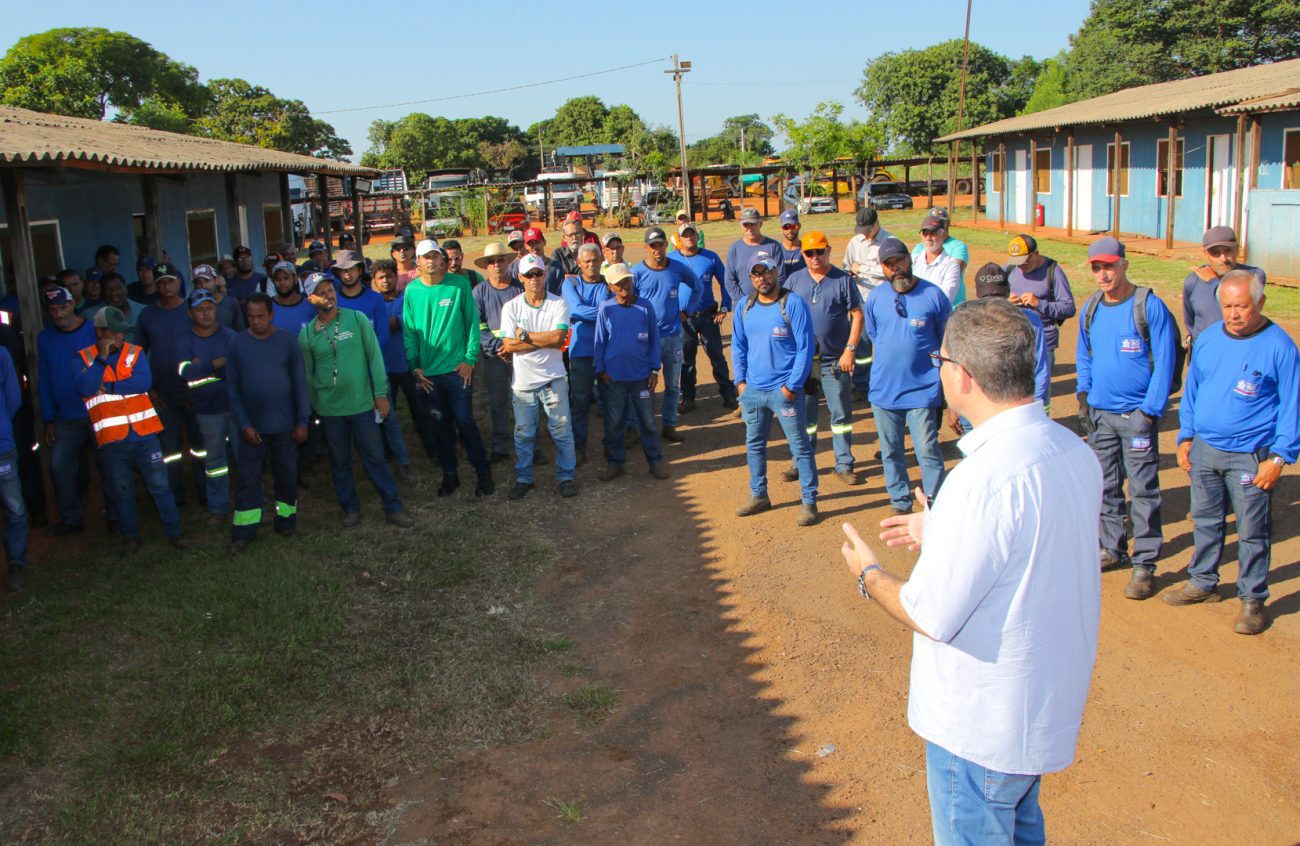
529,263
427,246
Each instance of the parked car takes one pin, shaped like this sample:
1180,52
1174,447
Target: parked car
658,205
815,202
884,195
566,196
513,216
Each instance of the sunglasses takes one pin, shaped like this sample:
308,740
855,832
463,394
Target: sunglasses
498,260
931,231
938,360
534,274
900,307
811,253
789,226
760,271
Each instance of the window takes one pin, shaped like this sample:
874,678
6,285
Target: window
1291,159
201,227
1043,171
1162,168
47,247
1123,169
995,167
273,226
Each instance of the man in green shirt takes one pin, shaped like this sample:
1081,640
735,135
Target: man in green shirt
440,330
349,391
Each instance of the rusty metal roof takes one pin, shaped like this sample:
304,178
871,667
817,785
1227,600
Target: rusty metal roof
28,137
1245,90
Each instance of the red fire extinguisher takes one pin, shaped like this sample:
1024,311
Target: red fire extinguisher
1039,213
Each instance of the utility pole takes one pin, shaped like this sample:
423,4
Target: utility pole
742,166
680,68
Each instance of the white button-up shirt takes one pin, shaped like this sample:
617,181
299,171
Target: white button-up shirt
944,271
1009,588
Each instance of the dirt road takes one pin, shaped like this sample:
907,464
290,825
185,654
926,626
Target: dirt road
764,702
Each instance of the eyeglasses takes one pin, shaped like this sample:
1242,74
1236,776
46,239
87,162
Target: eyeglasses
534,274
900,306
938,360
811,253
760,271
931,231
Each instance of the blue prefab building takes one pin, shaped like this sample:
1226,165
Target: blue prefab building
1231,142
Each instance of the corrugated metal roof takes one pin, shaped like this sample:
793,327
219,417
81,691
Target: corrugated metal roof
29,137
1213,91
1289,99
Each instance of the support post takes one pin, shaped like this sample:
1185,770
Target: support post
487,229
322,189
929,182
550,204
765,195
952,180
1171,184
975,182
1114,183
286,213
152,226
1002,195
24,261
1240,161
1252,180
358,218
1033,184
232,213
1069,184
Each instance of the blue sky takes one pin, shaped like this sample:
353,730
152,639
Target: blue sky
760,56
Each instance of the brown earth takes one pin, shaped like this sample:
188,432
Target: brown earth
741,649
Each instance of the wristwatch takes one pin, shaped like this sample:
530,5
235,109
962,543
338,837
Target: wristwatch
1278,460
862,579
523,336
850,347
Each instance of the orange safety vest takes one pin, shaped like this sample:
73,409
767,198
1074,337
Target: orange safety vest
113,415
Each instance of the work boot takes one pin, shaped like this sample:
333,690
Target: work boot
1190,594
807,514
1252,618
1141,584
485,486
755,505
1111,560
179,542
659,470
237,546
16,580
848,477
400,519
685,406
351,518
568,488
669,434
449,485
611,472
790,474
730,403
520,490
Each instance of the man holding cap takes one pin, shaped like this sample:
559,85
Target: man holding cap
203,367
246,280
933,264
905,321
349,268
583,294
1039,283
862,259
114,380
836,309
402,251
704,324
490,298
349,391
772,349
742,254
671,290
1125,373
1201,287
440,326
791,246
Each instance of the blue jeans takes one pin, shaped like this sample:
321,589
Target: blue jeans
451,403
248,486
145,455
700,329
553,398
1223,480
391,428
972,805
835,386
759,408
340,434
219,438
670,348
14,510
924,425
1127,446
582,381
73,443
620,398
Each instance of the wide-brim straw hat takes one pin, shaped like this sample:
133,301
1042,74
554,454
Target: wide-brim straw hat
492,250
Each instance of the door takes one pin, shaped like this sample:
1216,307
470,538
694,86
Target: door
1022,187
1083,188
1222,183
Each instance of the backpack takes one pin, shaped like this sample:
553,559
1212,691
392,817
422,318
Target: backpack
1049,265
1140,320
780,301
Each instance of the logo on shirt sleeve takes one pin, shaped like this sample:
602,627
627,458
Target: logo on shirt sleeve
1130,345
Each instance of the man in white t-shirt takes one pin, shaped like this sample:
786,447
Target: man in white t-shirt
1006,597
534,328
862,259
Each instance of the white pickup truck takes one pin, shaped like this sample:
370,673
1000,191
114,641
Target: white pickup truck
565,195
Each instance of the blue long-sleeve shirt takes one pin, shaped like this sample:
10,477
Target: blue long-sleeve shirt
767,352
205,382
266,382
291,318
371,303
395,350
1042,362
626,346
162,333
583,299
1201,299
739,258
1113,367
1243,393
57,352
904,329
12,393
707,266
490,300
663,288
90,380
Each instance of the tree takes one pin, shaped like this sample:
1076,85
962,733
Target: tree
1049,88
244,113
821,138
420,143
580,121
724,148
85,71
913,95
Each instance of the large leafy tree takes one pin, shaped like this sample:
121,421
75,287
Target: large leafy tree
725,147
420,143
913,95
822,137
239,111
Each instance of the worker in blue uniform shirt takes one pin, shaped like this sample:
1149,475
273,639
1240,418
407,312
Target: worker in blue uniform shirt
583,291
12,506
661,282
742,254
1201,287
1124,380
353,293
791,244
905,321
292,309
203,369
772,345
1239,425
704,325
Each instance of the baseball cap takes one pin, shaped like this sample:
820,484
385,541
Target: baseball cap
401,241
58,295
609,238
991,281
1021,248
112,319
241,251
761,260
891,248
200,296
532,233
346,259
1105,249
867,218
1219,236
616,273
529,263
573,217
815,241
347,237
934,221
308,266
286,266
686,227
681,213
316,247
203,271
163,270
226,257
749,214
145,261
315,281
655,235
428,245
515,237
789,216
93,275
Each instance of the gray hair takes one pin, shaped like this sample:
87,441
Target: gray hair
589,248
1239,275
993,340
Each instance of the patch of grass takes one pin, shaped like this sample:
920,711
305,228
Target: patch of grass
592,703
559,644
568,811
571,670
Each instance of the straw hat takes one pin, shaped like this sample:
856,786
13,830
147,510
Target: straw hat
492,250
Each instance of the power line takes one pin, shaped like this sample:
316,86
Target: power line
777,82
492,91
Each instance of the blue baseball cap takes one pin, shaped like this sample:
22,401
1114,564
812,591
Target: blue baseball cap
762,260
145,261
316,280
789,216
201,296
1106,249
891,248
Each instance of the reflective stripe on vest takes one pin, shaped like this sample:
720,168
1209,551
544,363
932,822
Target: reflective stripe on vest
113,416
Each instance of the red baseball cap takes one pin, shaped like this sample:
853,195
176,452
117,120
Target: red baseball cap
534,234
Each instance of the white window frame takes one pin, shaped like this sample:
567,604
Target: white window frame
189,248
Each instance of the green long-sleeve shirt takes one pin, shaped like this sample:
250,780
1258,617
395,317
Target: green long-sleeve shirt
345,366
440,325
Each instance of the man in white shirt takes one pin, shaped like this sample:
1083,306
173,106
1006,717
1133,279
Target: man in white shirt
862,260
534,328
933,264
1006,597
